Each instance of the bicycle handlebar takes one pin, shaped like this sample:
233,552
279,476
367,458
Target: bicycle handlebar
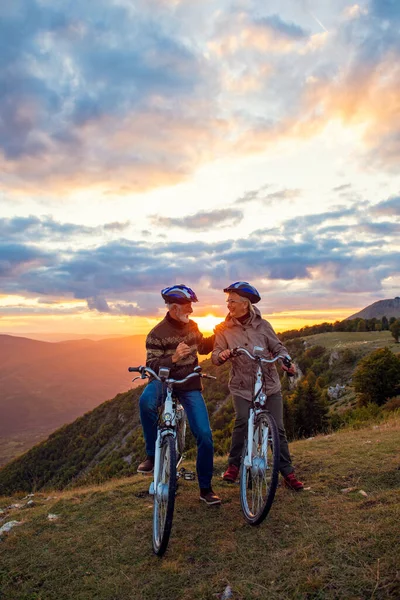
287,361
145,371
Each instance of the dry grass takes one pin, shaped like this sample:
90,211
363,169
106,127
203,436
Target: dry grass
322,543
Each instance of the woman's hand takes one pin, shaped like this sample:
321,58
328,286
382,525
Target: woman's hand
291,370
224,355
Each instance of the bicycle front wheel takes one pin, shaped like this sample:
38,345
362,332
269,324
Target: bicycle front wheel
258,481
164,496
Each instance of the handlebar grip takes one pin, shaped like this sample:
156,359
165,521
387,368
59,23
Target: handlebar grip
134,369
288,363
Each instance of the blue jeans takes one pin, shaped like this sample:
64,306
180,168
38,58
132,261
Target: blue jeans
196,411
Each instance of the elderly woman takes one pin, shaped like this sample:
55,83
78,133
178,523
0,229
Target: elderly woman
245,327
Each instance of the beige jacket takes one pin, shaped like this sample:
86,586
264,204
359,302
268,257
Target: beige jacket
256,332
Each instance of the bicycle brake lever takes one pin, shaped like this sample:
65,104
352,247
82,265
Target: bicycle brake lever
142,376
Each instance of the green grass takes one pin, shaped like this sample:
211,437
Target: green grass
365,341
320,544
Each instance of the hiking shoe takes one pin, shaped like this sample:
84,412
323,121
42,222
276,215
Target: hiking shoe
147,466
209,497
293,483
231,474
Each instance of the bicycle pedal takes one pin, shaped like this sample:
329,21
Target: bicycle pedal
189,476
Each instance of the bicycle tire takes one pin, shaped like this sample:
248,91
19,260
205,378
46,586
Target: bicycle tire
258,483
164,496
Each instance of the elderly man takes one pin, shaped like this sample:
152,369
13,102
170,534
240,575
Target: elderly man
174,343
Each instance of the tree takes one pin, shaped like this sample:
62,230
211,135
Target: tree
385,323
361,325
377,377
310,408
395,330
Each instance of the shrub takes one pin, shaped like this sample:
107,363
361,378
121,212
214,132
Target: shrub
395,330
377,377
393,404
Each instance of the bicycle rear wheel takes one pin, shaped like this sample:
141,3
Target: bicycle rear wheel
259,481
164,496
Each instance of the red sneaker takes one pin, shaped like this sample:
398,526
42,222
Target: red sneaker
293,483
231,474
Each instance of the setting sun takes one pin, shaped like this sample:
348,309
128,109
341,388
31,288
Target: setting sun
206,324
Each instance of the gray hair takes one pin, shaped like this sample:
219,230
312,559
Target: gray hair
250,306
170,305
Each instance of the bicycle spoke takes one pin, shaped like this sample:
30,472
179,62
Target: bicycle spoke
164,496
258,482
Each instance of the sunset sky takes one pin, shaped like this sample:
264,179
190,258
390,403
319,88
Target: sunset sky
151,142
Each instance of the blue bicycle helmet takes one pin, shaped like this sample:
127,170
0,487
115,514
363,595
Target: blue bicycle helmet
178,294
242,288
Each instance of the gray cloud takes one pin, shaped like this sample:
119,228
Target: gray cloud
259,195
202,220
342,188
98,303
14,256
135,97
75,86
34,229
288,194
388,208
339,250
281,28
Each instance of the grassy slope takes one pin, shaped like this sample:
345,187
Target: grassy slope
318,544
365,341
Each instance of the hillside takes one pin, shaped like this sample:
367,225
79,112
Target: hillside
102,443
108,441
382,308
44,385
330,542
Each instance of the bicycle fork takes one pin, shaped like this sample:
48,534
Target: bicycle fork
169,421
258,464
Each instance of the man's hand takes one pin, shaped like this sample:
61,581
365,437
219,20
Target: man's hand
224,355
182,351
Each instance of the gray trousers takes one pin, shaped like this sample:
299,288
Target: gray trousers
274,405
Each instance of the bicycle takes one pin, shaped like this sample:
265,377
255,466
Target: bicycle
170,442
259,468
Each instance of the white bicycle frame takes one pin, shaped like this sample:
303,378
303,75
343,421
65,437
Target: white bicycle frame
261,398
168,416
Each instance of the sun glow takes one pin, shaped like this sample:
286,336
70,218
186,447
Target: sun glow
206,324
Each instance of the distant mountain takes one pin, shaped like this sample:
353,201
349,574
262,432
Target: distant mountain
44,385
377,310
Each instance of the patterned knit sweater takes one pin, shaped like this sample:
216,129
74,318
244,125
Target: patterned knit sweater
162,342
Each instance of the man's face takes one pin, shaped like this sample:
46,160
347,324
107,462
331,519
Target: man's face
182,312
237,305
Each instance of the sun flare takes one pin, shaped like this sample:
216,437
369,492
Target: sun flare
206,324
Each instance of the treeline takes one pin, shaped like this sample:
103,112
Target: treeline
347,325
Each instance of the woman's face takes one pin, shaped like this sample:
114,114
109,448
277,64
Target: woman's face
237,305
